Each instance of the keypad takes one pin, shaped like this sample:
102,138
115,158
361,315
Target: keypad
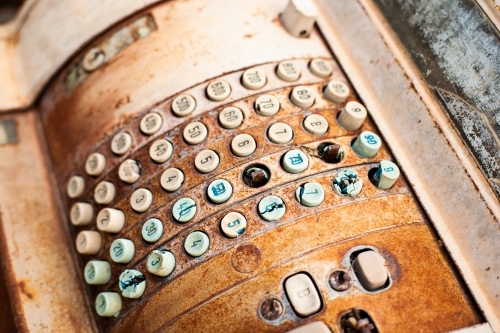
196,243
230,117
152,230
121,143
233,224
172,179
267,105
280,133
218,90
206,161
219,191
183,105
184,210
141,200
76,185
151,123
104,192
243,145
95,164
122,250
161,151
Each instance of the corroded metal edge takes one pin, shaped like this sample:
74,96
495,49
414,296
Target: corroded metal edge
451,188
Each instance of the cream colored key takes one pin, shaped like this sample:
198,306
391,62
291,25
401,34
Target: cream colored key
108,304
387,174
121,143
196,243
110,220
280,133
233,224
267,105
132,283
184,210
172,179
253,79
321,67
303,96
183,105
122,250
161,263
314,327
195,133
81,214
161,151
76,185
152,230
316,124
104,192
218,90
310,194
243,145
288,71
95,164
230,117
151,123
141,200
206,161
370,270
367,144
97,272
129,171
352,116
336,91
88,242
303,295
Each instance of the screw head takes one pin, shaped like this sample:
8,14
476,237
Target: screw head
340,281
93,59
271,309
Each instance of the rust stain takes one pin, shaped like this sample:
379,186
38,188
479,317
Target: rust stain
27,291
246,258
122,101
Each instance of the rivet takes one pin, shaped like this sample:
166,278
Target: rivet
271,309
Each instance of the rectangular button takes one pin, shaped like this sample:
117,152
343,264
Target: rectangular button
314,327
370,270
302,294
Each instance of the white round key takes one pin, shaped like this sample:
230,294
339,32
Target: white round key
152,230
316,124
280,133
321,68
310,194
367,144
104,192
386,175
161,263
121,143
253,79
347,183
295,161
302,96
196,243
267,105
218,90
288,71
141,200
271,208
129,171
97,272
88,242
75,187
206,161
122,250
108,304
219,191
81,214
95,164
195,133
233,224
172,179
151,123
110,220
161,151
183,105
132,283
352,116
184,210
243,145
230,117
336,91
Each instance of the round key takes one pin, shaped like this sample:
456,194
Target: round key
75,187
280,133
121,143
122,250
321,68
310,194
110,220
271,208
151,123
302,96
243,145
195,133
183,105
108,304
152,230
129,171
288,71
196,243
347,183
367,144
97,272
206,161
104,192
253,79
172,179
81,214
230,117
218,90
161,263
95,164
316,124
141,200
336,91
161,151
352,116
233,224
267,105
132,283
295,161
184,210
88,242
219,191
387,174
